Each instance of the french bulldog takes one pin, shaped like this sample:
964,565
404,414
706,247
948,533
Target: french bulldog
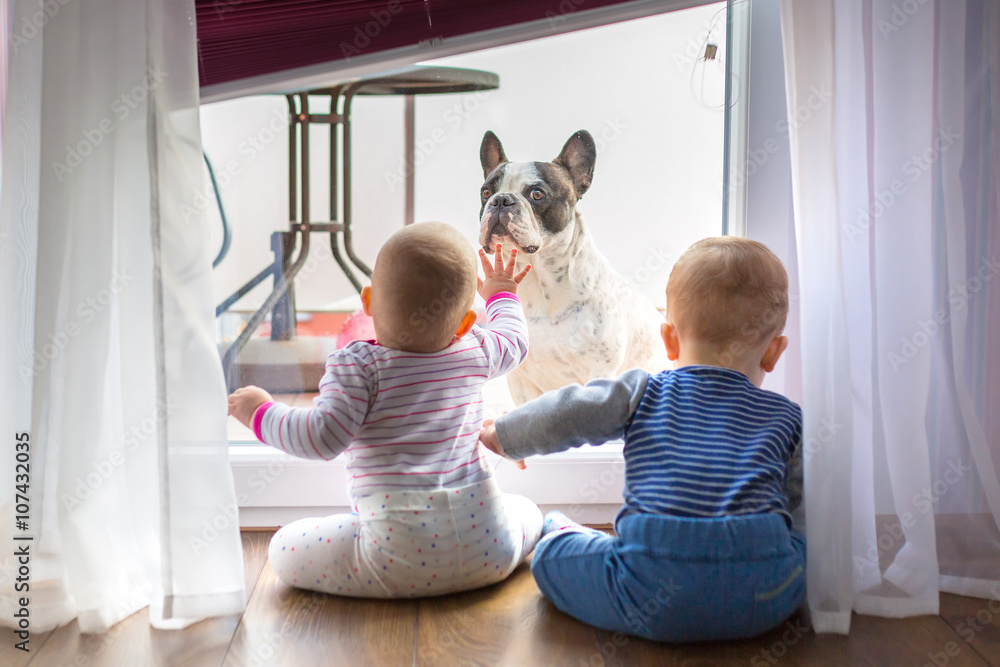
584,320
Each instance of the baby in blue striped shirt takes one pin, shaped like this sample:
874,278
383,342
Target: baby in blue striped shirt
705,547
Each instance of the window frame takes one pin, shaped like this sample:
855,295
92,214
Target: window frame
571,20
274,488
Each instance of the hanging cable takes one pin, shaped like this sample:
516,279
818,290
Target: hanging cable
227,236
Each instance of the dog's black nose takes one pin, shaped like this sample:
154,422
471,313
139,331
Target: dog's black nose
502,201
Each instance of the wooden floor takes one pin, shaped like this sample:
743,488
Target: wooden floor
507,624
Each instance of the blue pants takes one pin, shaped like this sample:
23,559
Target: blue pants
676,579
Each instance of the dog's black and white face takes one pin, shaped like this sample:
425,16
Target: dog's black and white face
528,204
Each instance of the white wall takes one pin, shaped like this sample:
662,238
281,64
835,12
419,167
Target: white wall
638,87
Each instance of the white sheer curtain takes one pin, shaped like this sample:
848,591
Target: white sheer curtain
107,359
895,176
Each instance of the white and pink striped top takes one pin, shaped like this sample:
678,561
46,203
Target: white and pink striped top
404,419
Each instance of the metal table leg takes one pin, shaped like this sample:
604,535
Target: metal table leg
348,215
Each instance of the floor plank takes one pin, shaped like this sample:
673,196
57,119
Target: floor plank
13,657
207,643
135,642
125,643
506,624
873,641
288,626
794,638
977,622
254,557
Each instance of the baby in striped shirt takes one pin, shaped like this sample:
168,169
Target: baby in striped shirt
405,411
705,548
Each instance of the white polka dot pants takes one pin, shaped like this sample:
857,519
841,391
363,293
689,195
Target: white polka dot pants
410,543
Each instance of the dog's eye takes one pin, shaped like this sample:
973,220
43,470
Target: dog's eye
537,194
485,193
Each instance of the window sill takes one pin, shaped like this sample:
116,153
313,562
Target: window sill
273,488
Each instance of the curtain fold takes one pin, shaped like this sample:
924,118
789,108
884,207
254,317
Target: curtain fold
106,325
897,228
825,381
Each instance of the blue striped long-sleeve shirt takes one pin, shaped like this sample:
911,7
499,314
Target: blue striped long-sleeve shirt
700,441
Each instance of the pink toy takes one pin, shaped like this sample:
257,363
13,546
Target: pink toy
357,327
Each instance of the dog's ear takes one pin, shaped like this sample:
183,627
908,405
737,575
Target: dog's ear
491,153
579,156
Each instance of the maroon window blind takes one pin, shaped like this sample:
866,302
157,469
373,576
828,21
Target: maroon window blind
238,39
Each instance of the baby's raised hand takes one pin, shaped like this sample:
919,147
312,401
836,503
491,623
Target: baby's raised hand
244,402
498,277
488,436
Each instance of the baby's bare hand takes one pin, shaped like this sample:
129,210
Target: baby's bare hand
488,436
243,403
499,277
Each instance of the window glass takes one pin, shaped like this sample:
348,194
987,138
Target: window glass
650,91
